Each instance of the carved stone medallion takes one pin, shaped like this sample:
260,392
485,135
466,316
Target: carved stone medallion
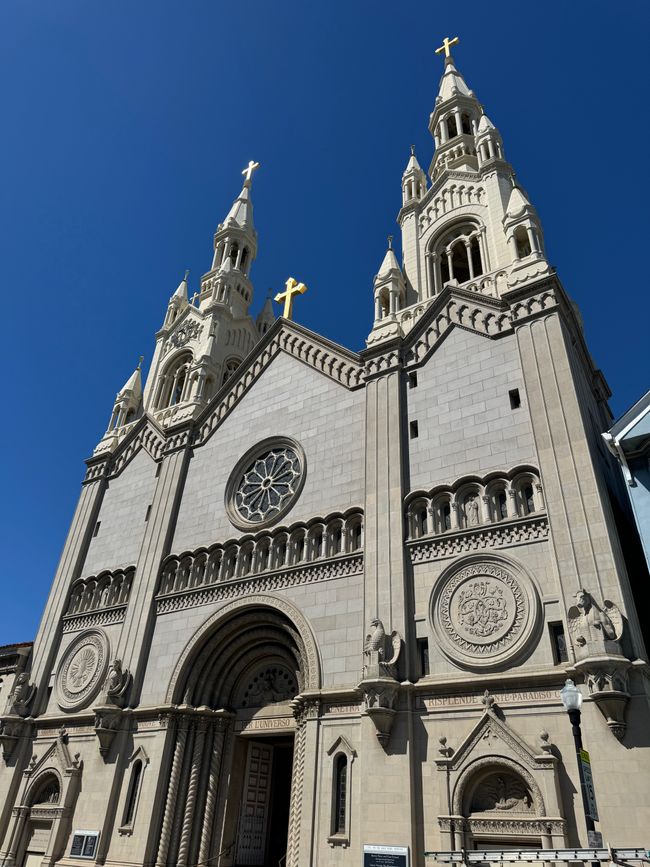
82,670
484,612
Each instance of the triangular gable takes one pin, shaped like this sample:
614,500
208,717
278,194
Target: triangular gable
324,356
483,738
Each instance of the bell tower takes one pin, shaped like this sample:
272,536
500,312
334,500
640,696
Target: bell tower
471,225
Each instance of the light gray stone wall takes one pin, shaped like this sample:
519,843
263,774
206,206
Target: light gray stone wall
293,400
461,404
122,516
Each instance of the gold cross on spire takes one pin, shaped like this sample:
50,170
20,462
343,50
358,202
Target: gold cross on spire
293,288
446,46
250,168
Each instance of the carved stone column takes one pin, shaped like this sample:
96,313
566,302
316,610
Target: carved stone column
302,800
172,792
189,800
215,753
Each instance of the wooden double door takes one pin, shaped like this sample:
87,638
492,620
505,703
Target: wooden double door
264,813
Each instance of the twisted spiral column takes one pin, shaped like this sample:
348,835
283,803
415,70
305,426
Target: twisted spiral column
170,802
211,793
295,810
181,795
192,790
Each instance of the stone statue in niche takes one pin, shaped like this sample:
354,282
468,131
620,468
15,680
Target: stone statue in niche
21,695
471,512
381,651
593,629
116,685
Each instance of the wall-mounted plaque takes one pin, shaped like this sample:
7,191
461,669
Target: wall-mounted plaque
385,856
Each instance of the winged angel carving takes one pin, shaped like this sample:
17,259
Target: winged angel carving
589,623
386,647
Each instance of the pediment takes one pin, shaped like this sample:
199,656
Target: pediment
491,736
342,745
324,356
56,756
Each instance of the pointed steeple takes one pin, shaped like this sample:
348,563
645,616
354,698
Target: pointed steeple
235,249
522,227
177,303
452,82
128,402
389,286
266,316
414,181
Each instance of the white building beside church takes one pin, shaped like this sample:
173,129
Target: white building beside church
313,599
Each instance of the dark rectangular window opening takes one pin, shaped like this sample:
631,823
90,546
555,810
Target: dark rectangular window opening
146,517
413,430
413,379
158,469
423,655
96,530
515,398
558,642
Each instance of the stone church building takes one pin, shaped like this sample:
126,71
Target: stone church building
313,599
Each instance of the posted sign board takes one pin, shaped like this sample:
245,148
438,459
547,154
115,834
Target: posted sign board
589,784
385,856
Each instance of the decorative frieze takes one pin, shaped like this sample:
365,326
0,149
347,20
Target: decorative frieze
79,622
519,532
311,573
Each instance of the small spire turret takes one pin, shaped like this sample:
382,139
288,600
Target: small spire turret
414,180
128,401
266,316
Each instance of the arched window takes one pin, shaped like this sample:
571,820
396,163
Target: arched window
523,242
528,499
500,505
445,516
452,129
467,124
356,539
174,381
229,368
340,797
234,250
132,795
459,256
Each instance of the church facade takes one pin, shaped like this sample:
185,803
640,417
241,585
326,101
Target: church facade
313,600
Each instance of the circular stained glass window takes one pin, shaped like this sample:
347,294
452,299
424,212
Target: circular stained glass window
265,483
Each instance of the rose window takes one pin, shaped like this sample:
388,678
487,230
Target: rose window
265,483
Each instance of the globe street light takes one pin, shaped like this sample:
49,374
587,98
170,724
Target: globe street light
572,701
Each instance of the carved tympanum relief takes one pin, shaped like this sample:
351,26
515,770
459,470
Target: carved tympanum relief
82,670
501,792
484,612
273,684
265,483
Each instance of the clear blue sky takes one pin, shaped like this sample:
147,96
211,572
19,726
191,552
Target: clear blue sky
125,128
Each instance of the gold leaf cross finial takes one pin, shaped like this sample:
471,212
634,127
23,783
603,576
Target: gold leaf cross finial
293,288
248,171
446,46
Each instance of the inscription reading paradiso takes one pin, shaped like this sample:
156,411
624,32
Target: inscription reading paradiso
482,612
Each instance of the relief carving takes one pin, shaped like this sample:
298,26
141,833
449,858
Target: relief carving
82,670
484,612
381,651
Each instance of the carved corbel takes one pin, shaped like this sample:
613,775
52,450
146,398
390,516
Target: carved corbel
380,699
607,683
108,722
12,729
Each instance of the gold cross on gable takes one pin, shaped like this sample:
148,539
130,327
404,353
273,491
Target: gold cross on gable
250,168
446,45
293,288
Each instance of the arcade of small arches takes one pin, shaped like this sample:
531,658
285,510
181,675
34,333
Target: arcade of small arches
473,502
102,591
269,551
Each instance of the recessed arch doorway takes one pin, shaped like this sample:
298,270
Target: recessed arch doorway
237,738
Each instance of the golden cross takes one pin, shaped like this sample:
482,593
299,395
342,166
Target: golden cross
250,168
293,288
446,45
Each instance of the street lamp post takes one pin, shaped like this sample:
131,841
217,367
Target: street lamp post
572,701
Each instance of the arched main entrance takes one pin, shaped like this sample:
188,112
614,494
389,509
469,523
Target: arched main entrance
237,744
